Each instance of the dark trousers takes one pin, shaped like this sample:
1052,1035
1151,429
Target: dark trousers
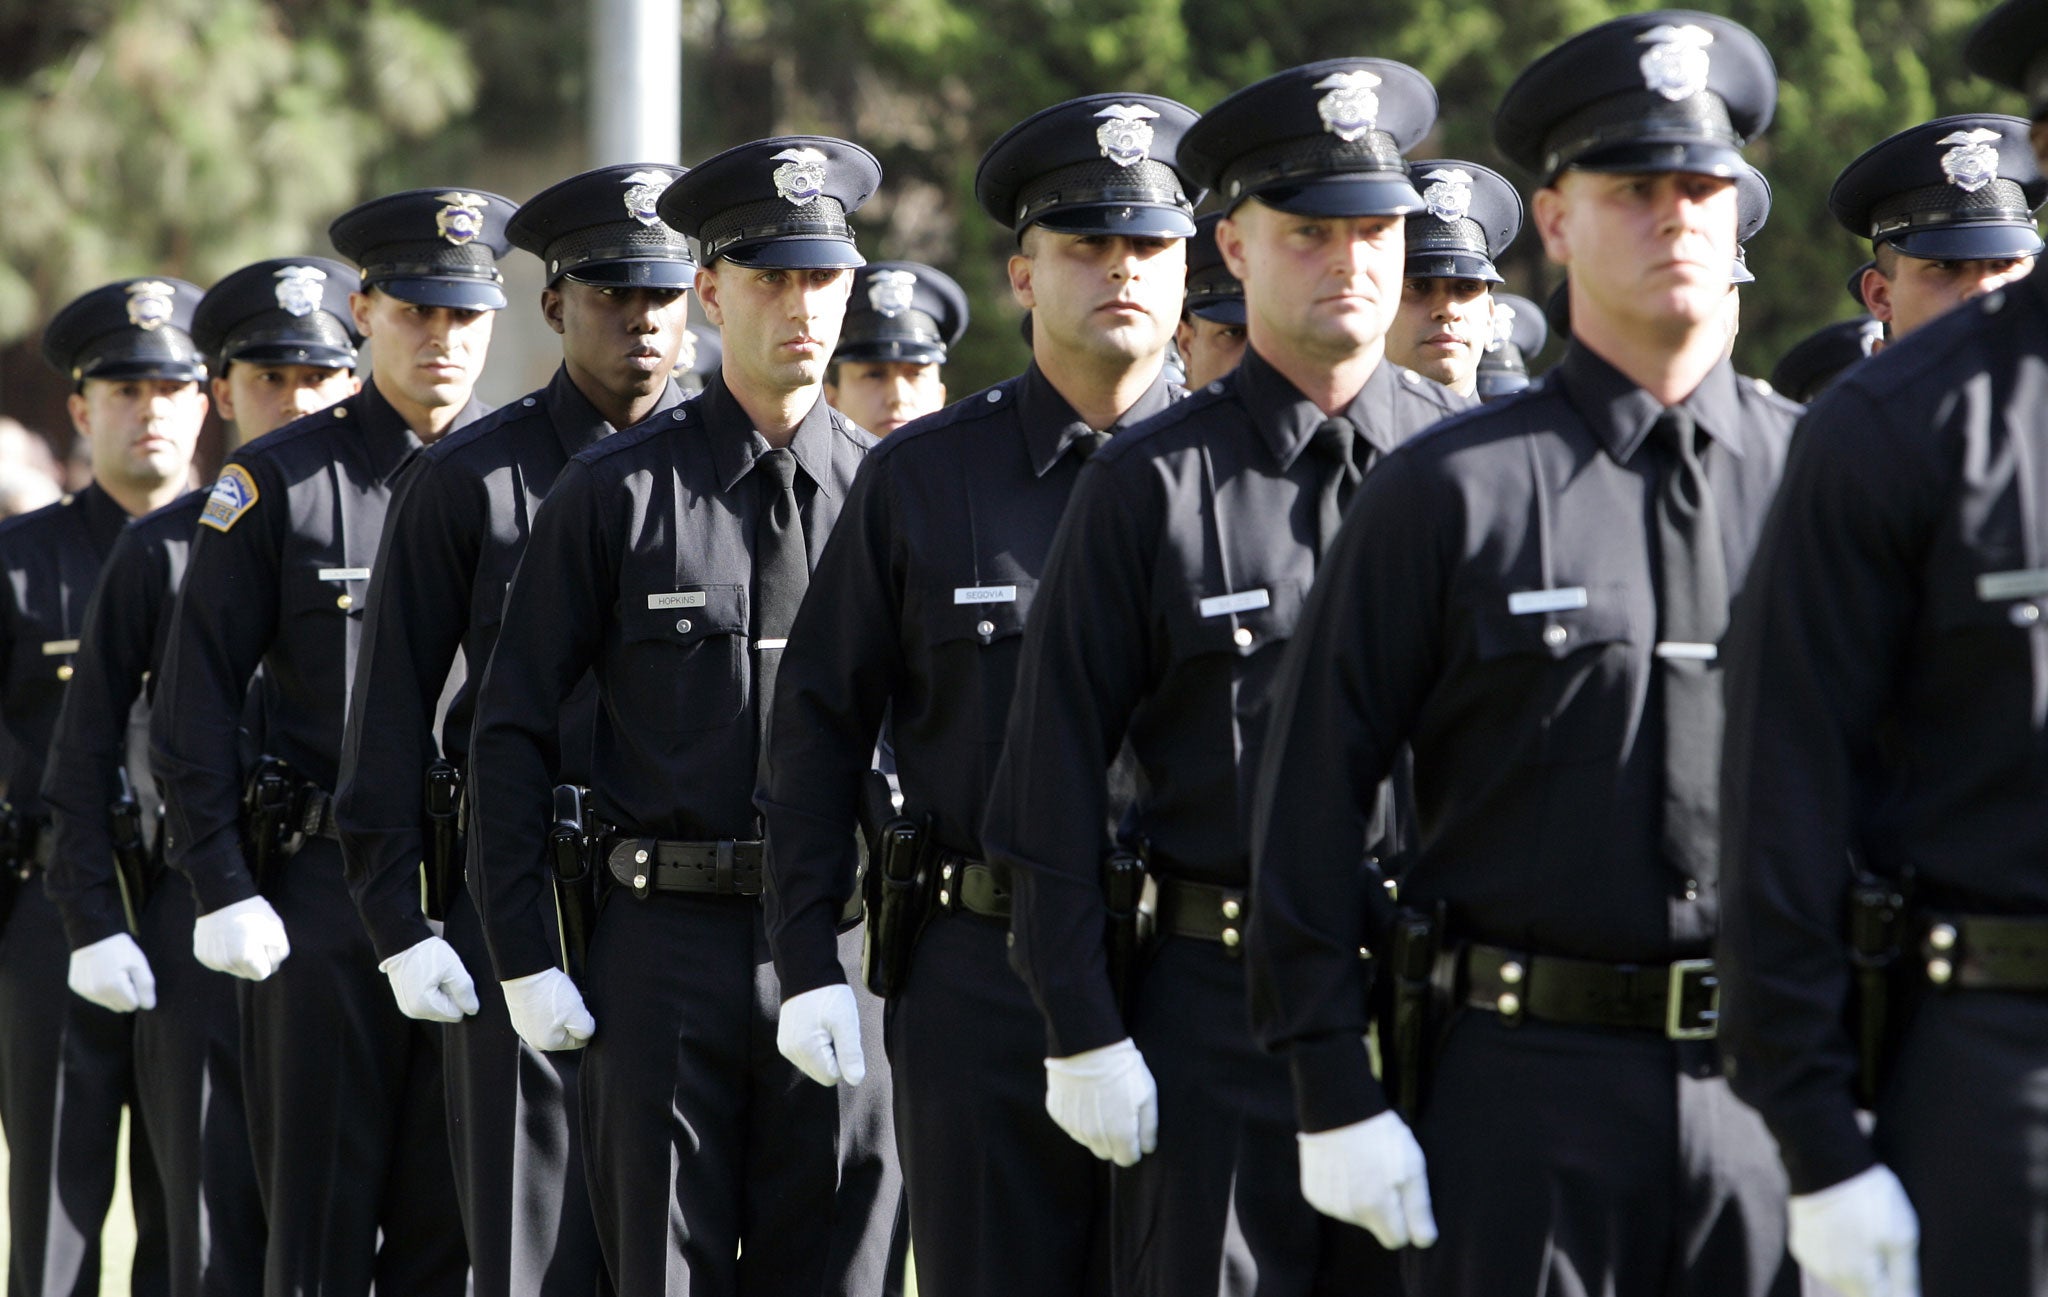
1963,1120
346,1113
1002,1203
66,1071
1218,1208
517,1145
1574,1161
715,1167
188,1061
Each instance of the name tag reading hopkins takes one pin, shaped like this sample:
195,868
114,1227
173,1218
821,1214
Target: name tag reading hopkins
680,599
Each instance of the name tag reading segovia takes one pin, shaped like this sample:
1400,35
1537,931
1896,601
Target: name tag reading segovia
681,599
985,594
1563,599
344,574
1222,605
2024,583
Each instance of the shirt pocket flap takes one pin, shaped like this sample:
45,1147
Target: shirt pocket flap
315,588
1238,621
1551,627
981,613
689,615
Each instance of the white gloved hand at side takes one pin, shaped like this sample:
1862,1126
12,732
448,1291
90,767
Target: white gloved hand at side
1861,1235
1106,1100
819,1031
246,939
1370,1174
547,1010
430,983
114,974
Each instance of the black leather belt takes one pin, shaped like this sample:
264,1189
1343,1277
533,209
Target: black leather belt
1204,911
974,886
1984,952
314,817
1681,1000
721,868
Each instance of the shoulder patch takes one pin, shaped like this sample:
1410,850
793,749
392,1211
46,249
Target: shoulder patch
232,496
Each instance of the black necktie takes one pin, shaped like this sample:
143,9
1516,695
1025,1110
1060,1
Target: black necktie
1692,614
1085,444
781,572
1333,442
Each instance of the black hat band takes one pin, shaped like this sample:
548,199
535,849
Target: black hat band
1312,157
904,326
1434,234
1102,183
615,241
1639,116
1999,202
1214,285
430,260
163,345
283,329
772,218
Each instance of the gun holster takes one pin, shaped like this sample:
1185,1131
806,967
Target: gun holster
573,847
896,888
1877,946
441,871
134,862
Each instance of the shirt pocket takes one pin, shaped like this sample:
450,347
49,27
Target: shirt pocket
685,658
1578,669
326,590
1231,623
981,639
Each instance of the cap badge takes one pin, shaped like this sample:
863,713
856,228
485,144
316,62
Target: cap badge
1972,163
1126,133
889,291
149,304
461,217
1676,64
1871,337
298,290
801,177
1503,326
1449,195
643,191
1351,108
686,355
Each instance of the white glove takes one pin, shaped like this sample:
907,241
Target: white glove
430,983
1861,1235
1107,1100
1370,1174
114,974
819,1031
547,1010
246,939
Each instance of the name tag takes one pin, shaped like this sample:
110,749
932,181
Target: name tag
59,647
985,594
1682,651
1222,605
2026,583
344,574
681,599
1563,599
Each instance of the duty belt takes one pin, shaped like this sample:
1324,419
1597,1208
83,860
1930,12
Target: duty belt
1680,1000
1205,911
1985,952
973,885
313,815
725,867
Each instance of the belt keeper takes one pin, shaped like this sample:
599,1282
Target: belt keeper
643,868
722,880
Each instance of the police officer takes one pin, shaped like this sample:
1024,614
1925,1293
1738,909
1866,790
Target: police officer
344,1092
1815,361
900,322
1519,333
281,346
668,561
1884,689
1948,206
1445,322
66,1065
917,612
1531,598
1210,338
617,279
1176,575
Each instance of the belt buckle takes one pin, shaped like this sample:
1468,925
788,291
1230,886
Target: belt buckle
1692,979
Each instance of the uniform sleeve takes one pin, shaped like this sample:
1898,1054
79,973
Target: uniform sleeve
1814,646
1081,673
1353,679
419,604
561,600
835,681
225,620
90,743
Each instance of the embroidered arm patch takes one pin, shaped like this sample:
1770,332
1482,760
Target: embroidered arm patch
233,495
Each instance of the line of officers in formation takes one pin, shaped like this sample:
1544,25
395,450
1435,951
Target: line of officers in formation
1306,833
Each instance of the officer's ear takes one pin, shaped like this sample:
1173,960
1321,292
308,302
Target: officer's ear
1877,295
1230,245
707,296
359,311
551,305
223,395
80,411
1550,208
1184,333
1021,266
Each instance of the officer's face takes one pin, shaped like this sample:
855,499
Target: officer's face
1917,291
1323,288
1110,297
1210,350
423,357
1646,250
1442,329
621,342
140,432
780,325
257,397
883,395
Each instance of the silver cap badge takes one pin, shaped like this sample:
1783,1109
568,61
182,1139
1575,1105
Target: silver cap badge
889,291
1676,64
298,290
643,191
801,177
1449,195
1972,163
149,304
461,217
1351,108
1126,133
1503,326
1871,336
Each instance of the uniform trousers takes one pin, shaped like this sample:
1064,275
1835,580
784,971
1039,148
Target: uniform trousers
188,1062
1002,1202
1580,1161
517,1145
66,1071
1218,1208
716,1168
347,1117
